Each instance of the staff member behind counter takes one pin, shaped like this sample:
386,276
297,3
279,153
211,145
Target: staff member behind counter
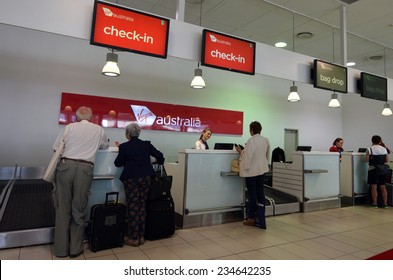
201,144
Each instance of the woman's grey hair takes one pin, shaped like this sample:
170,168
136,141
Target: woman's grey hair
133,130
84,113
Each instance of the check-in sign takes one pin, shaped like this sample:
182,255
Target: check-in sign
121,28
227,52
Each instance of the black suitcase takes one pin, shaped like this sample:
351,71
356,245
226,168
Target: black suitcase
160,219
107,224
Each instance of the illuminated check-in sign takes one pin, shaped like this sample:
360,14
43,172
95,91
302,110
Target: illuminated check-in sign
121,28
227,52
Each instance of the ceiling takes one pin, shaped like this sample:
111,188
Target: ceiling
369,25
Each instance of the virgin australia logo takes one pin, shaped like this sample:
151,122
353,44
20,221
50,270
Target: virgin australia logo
215,40
107,12
143,115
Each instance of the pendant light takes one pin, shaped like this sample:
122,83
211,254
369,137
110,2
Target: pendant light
386,110
198,82
293,93
111,69
386,107
334,103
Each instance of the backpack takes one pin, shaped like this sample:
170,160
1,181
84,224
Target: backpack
278,155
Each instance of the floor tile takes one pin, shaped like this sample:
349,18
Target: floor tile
348,233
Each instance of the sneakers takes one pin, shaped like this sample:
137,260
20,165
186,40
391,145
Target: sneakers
384,206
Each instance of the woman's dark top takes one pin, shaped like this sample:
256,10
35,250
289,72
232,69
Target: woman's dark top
134,155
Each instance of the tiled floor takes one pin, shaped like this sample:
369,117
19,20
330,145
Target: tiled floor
349,233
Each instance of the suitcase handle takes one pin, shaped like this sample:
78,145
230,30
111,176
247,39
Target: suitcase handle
112,194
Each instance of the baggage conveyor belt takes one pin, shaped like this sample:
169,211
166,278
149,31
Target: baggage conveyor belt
278,202
27,215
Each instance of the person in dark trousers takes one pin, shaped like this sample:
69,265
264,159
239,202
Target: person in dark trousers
254,164
134,155
377,154
74,175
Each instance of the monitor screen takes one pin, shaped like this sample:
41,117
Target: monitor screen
373,87
362,150
120,28
227,52
223,146
303,148
330,76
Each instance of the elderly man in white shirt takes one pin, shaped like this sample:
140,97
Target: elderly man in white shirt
74,175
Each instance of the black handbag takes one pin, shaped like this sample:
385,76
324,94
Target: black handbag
161,185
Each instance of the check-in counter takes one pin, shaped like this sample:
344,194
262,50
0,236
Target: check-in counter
313,177
204,190
105,179
353,178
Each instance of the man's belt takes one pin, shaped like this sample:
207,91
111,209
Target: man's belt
78,160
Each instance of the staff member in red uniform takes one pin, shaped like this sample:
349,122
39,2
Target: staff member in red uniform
74,175
337,146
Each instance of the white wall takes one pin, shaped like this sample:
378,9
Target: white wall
41,65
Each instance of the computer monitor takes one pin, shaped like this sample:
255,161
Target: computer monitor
303,148
223,146
362,150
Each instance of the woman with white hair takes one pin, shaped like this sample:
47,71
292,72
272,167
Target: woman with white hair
134,156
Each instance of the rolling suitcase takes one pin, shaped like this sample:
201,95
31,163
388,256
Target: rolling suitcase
107,224
160,219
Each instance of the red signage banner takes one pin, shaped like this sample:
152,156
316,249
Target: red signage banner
227,52
121,28
118,113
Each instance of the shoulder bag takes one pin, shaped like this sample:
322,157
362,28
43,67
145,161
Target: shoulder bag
161,185
49,175
380,168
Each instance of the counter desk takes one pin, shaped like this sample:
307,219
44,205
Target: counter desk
353,178
204,190
313,177
105,179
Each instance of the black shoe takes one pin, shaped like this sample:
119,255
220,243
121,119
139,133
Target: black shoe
73,256
62,257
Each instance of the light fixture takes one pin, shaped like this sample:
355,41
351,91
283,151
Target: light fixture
280,45
334,103
198,82
293,95
386,110
386,107
111,69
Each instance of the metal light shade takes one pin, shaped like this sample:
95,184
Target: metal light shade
334,103
293,95
386,110
111,69
198,82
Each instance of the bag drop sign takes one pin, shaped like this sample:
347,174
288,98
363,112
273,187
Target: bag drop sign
118,27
